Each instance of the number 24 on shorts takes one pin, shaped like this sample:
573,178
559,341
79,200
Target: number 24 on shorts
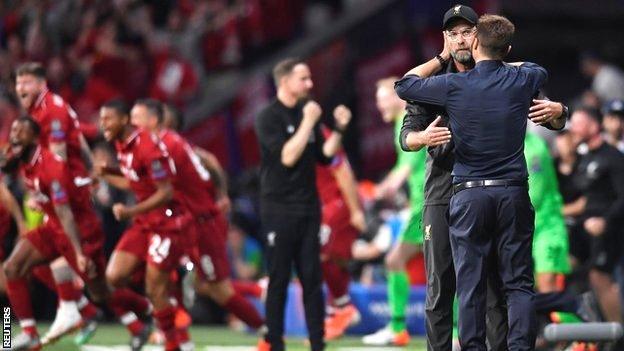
159,248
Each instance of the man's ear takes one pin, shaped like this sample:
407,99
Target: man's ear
475,44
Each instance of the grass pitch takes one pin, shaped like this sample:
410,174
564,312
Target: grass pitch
113,337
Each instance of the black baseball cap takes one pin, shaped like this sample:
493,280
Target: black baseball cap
614,107
460,11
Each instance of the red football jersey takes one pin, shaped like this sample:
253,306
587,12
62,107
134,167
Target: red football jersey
49,180
59,123
144,160
192,180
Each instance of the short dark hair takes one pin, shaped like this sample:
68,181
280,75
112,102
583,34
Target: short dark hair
154,106
284,68
592,112
118,105
31,68
495,34
34,126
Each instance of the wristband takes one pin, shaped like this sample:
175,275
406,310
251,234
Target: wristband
441,60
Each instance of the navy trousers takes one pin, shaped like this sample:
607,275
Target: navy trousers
500,219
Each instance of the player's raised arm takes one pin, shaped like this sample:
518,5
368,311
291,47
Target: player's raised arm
342,117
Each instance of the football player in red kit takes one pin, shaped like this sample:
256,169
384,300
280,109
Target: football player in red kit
60,133
342,220
193,182
71,230
8,208
160,218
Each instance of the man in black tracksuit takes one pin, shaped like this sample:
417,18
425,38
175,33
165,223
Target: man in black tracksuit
291,144
432,132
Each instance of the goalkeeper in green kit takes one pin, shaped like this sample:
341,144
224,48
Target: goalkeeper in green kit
410,167
550,241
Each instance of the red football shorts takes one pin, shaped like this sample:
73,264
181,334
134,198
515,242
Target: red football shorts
52,243
209,251
162,249
337,233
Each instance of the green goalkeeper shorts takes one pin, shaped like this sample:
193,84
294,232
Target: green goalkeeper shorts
412,231
550,253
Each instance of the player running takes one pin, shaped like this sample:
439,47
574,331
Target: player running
160,219
193,184
409,167
341,221
60,133
71,230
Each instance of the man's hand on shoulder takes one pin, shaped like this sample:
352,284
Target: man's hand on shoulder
545,111
433,135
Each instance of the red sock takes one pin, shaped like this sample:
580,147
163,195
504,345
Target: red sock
19,296
119,304
130,301
129,319
183,336
247,288
87,309
244,310
43,273
337,279
165,321
67,291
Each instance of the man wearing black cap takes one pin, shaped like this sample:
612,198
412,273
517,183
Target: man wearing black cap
458,30
599,176
613,124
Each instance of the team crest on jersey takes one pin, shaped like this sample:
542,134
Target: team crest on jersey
58,193
428,232
56,129
157,170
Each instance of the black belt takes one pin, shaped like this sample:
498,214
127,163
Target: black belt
488,182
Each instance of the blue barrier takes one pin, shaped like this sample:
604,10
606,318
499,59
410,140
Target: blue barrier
371,301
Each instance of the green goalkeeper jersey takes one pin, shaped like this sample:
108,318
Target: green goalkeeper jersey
543,186
416,162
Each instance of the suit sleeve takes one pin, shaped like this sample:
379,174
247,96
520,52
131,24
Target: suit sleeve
537,75
432,90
